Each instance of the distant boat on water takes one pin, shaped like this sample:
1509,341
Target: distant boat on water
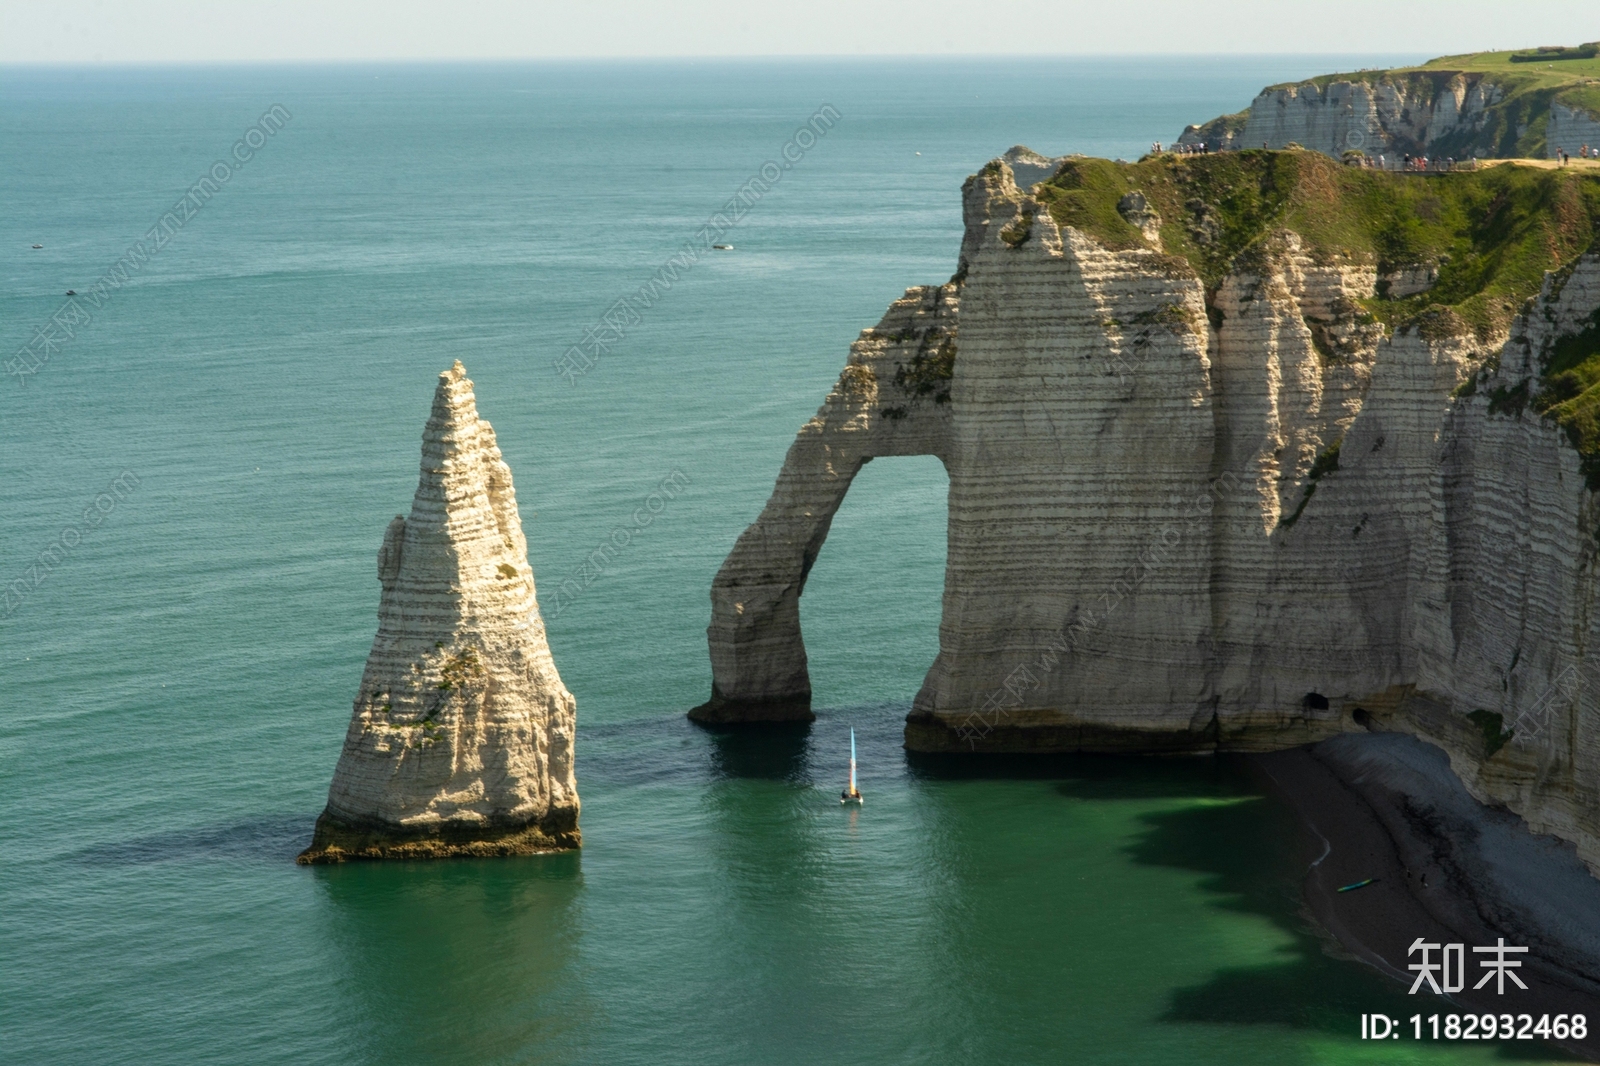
851,794
723,247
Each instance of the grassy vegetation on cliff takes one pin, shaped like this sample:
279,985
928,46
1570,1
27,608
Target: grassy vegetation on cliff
1492,232
1494,736
931,369
1222,127
1571,394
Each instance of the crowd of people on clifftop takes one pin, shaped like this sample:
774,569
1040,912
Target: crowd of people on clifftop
1423,164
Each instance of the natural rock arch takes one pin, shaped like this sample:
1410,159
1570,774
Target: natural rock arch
891,399
1195,515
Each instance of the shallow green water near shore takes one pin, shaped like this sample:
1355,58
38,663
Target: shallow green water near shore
174,694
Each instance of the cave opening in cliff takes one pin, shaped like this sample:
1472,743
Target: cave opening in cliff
870,611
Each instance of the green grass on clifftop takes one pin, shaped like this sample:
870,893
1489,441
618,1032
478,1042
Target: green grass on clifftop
1492,232
1556,73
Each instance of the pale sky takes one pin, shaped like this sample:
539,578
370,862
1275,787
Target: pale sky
156,31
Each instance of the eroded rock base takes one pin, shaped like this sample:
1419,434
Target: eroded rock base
338,841
1053,732
719,710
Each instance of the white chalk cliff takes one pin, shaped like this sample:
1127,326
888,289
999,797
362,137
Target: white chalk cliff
461,739
1183,520
1392,115
1438,113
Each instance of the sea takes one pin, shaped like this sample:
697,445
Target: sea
198,465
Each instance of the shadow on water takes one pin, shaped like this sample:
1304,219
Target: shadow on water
1091,776
760,809
772,753
781,847
1246,854
1252,855
672,749
461,960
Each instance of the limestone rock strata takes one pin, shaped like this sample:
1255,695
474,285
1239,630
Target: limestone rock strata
1436,113
1392,115
461,740
1189,521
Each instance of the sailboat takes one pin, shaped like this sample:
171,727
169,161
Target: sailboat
851,794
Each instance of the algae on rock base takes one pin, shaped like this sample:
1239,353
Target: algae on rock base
338,841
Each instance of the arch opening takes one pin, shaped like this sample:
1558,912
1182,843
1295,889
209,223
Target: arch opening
872,601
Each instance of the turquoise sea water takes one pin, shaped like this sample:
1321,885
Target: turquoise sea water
173,695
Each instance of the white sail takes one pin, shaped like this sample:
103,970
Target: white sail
852,761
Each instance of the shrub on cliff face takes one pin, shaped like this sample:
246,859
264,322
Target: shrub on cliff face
1570,393
1509,400
1020,230
460,669
1176,317
1341,338
1492,727
857,379
1440,323
1326,462
931,368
